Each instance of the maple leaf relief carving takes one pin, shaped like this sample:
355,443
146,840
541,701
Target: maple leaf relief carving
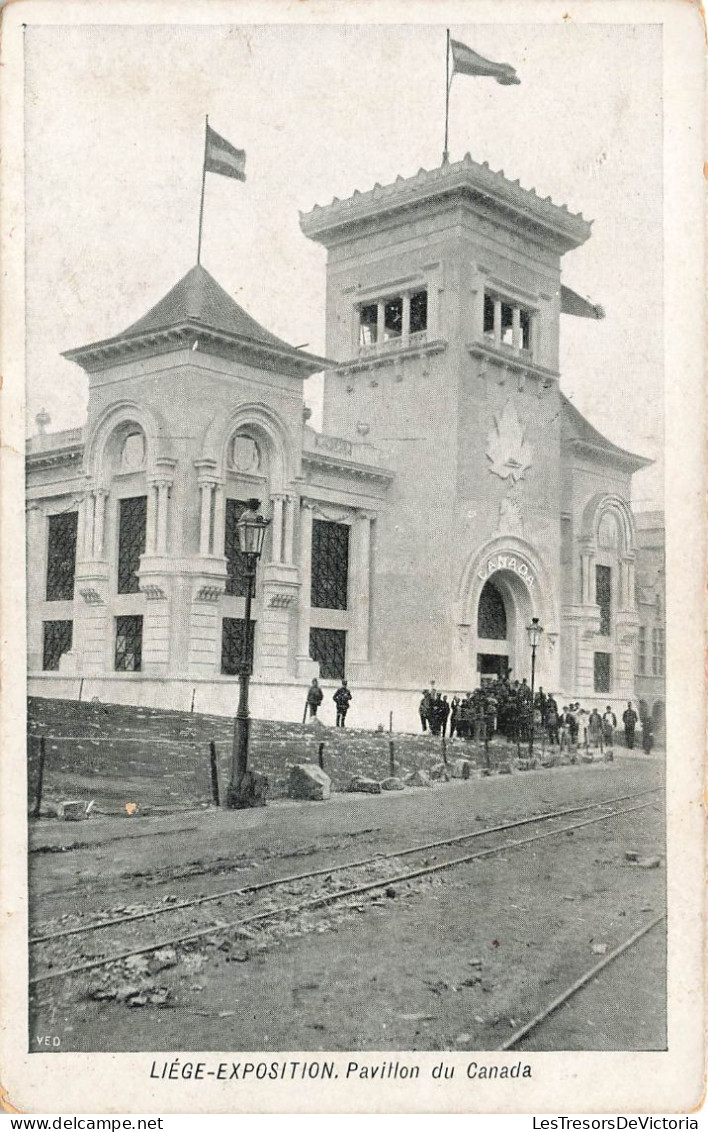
507,449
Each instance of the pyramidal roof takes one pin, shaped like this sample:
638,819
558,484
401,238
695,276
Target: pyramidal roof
199,298
197,312
578,430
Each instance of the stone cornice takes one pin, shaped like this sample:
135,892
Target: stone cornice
129,347
599,451
52,458
339,466
465,180
517,362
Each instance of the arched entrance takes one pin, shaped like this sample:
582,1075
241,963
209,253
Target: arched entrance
502,586
503,611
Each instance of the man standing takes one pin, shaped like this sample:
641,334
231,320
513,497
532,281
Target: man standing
609,722
424,710
342,698
629,719
315,696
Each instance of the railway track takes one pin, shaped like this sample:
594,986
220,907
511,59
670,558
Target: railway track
313,890
538,1020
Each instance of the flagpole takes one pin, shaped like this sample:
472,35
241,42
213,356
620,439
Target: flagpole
201,205
447,94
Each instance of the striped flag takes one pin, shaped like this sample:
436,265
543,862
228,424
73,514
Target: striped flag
465,61
222,157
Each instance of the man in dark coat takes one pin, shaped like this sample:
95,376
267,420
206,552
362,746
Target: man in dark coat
424,710
342,698
315,696
629,719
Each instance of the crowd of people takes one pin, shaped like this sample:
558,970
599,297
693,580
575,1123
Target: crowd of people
503,707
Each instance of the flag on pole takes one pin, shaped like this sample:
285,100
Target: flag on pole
222,157
465,61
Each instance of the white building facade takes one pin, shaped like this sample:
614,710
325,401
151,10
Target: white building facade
453,494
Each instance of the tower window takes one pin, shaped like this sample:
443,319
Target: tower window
61,556
132,519
393,319
641,650
506,323
658,648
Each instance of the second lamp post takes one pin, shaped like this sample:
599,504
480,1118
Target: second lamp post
251,528
534,631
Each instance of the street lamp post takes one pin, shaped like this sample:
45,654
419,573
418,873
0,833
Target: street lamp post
534,631
251,528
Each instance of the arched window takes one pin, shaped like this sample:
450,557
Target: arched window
491,614
132,457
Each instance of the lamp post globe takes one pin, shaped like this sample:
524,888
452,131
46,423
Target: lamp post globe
534,631
251,528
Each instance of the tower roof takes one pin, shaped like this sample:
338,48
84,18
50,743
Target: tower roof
579,433
461,180
197,313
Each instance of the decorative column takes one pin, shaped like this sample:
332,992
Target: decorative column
497,321
89,511
206,488
276,549
151,518
303,645
163,495
99,522
219,518
380,322
406,318
516,328
361,588
289,529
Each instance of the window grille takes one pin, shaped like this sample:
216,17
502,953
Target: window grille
491,614
232,644
657,652
330,564
602,671
603,597
58,636
129,644
329,647
235,562
641,650
132,519
61,556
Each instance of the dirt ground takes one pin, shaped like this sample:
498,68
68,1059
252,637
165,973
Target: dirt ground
455,961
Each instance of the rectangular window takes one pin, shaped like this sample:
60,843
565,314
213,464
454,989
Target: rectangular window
132,520
368,324
58,636
330,565
129,644
61,556
393,319
419,312
236,580
603,597
602,671
657,652
641,651
328,647
525,318
232,643
510,313
507,324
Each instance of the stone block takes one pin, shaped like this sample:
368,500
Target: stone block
419,778
309,783
73,811
360,785
439,772
461,768
250,792
392,784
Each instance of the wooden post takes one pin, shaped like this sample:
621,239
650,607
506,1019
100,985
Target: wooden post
390,722
40,777
320,755
81,689
444,750
391,759
194,692
214,773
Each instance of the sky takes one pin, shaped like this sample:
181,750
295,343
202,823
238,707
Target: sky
114,129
